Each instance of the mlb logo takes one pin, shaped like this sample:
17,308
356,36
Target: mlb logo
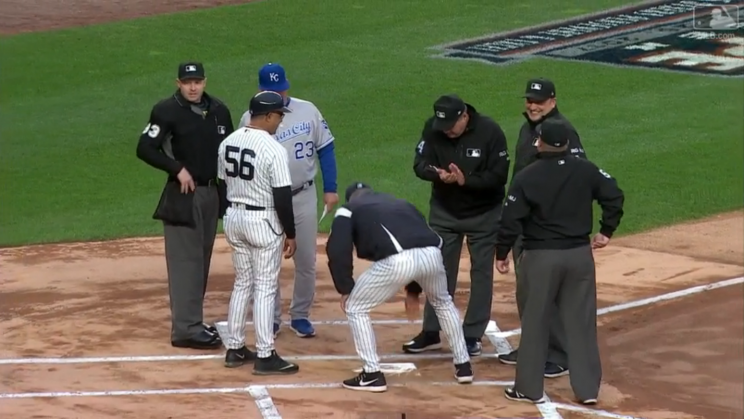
473,152
536,86
440,114
190,68
221,130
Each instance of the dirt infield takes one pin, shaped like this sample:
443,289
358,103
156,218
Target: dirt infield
669,360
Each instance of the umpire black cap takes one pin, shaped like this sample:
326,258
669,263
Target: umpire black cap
355,187
267,102
191,70
553,133
539,89
447,110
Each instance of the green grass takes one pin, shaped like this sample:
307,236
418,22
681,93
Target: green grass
75,101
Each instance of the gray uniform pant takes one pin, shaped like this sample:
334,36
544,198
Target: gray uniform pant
566,277
557,340
480,232
305,205
188,253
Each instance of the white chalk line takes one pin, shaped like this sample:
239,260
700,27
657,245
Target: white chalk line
547,409
595,412
265,405
652,300
156,358
256,389
489,335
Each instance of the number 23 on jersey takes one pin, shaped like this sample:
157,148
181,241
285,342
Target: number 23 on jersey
304,150
239,162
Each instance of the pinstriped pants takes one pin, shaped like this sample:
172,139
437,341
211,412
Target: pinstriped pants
383,280
257,259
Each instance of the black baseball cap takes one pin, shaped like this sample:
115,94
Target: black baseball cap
191,70
553,133
355,187
539,89
447,110
266,102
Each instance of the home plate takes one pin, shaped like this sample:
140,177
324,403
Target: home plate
394,368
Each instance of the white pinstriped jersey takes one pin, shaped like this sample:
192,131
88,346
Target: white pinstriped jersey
302,133
252,163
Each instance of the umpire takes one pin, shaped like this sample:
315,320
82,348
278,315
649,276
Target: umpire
464,155
181,138
540,105
550,203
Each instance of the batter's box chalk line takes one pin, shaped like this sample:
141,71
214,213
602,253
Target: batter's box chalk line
267,408
491,334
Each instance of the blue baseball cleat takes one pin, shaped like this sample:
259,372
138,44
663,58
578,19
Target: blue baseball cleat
302,327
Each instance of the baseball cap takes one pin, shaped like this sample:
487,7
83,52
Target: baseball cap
273,77
191,70
447,110
553,133
539,89
355,187
266,102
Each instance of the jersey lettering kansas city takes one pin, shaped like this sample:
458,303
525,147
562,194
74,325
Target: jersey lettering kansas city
302,133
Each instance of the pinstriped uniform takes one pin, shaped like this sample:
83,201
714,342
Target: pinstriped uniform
252,163
387,276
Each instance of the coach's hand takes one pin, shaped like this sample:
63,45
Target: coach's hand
330,199
502,266
413,306
290,246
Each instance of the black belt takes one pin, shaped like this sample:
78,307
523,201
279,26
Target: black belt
210,182
303,187
247,207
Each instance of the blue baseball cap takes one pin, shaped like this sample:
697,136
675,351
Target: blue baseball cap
272,77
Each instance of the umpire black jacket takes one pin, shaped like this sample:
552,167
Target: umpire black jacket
525,152
182,134
378,225
551,202
482,155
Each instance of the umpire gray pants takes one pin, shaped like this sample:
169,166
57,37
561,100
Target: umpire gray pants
188,254
557,340
480,232
566,278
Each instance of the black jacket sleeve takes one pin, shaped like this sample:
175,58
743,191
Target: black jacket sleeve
575,146
340,251
150,145
425,159
515,210
611,198
284,209
497,169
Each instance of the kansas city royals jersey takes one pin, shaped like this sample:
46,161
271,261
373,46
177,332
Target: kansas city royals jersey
302,133
252,163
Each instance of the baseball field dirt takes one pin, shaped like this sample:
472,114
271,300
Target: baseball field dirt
675,359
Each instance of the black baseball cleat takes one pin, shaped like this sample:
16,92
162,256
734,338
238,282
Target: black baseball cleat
238,357
510,358
464,373
554,370
274,365
202,340
424,341
474,346
516,396
367,381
